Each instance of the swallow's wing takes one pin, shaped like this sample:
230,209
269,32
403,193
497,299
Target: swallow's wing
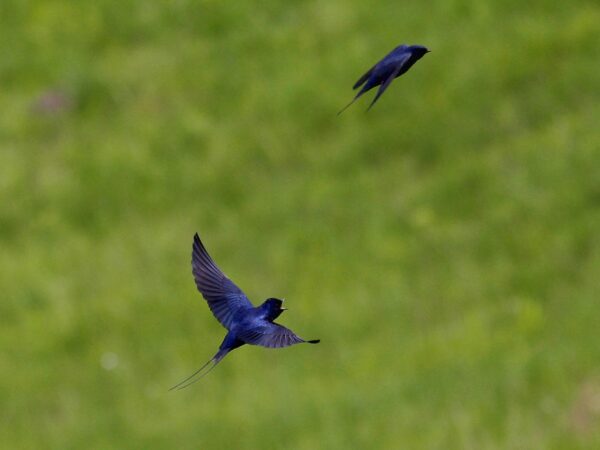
364,78
391,54
398,64
224,298
271,335
364,89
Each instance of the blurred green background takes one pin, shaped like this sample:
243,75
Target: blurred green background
445,246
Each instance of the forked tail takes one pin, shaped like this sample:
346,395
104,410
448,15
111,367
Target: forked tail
364,89
200,373
347,106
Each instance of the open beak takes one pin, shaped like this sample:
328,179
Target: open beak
282,308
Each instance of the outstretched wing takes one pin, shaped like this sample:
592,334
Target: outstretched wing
271,335
399,64
224,298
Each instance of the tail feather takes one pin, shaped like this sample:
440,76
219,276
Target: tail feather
347,106
200,373
373,102
368,86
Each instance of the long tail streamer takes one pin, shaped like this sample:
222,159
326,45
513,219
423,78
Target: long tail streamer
200,373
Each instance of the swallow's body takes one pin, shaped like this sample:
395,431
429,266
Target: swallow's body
245,323
394,64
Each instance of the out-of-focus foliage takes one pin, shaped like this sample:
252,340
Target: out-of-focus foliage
445,246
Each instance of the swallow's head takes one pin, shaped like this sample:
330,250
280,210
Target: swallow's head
274,307
419,50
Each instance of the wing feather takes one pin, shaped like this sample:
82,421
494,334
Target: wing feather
399,65
364,78
271,335
224,298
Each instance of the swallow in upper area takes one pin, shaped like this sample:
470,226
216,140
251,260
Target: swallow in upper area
394,64
245,323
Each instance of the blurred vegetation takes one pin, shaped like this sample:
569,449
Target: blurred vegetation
445,246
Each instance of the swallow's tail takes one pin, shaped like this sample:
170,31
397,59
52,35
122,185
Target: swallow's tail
201,372
369,85
347,106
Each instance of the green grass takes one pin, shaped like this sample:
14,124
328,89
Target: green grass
445,247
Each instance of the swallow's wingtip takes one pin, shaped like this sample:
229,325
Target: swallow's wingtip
314,341
197,239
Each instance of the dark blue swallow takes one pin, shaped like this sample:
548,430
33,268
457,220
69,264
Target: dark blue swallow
397,62
245,323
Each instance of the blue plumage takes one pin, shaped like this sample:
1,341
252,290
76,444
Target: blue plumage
394,64
245,323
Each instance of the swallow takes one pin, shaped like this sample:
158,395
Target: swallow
394,64
245,324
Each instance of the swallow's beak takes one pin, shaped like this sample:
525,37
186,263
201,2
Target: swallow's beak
282,308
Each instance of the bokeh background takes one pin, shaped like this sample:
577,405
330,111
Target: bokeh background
445,246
